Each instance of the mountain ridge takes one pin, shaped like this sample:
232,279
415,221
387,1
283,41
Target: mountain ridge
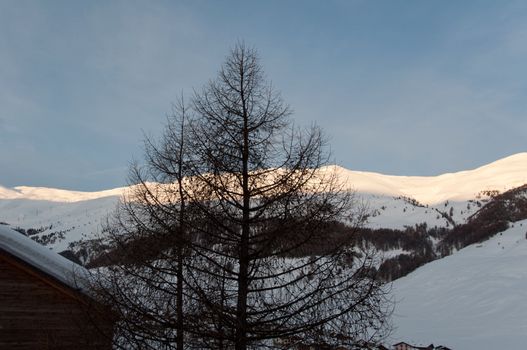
427,221
500,175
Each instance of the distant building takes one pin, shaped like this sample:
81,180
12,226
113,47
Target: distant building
43,300
406,346
402,346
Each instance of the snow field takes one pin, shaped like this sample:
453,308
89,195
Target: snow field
473,299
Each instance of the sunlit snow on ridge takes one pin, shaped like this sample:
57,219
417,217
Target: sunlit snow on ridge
501,175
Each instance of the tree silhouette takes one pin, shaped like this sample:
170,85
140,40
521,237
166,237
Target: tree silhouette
230,235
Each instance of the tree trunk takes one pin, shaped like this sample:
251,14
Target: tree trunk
243,281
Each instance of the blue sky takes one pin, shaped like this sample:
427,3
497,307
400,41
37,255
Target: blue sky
400,87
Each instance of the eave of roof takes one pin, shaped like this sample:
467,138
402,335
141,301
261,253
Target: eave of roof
43,259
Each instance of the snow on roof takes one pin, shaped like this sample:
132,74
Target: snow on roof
42,258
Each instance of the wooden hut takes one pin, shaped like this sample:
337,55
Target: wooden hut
44,301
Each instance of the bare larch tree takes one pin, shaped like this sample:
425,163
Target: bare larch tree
232,230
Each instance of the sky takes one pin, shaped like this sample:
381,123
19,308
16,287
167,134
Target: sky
400,87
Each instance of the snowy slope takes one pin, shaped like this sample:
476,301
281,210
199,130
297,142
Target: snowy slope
397,213
62,222
473,299
64,217
502,175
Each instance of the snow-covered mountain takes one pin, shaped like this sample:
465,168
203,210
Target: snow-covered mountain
501,175
59,218
468,297
55,195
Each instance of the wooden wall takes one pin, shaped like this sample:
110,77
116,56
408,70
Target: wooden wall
37,312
